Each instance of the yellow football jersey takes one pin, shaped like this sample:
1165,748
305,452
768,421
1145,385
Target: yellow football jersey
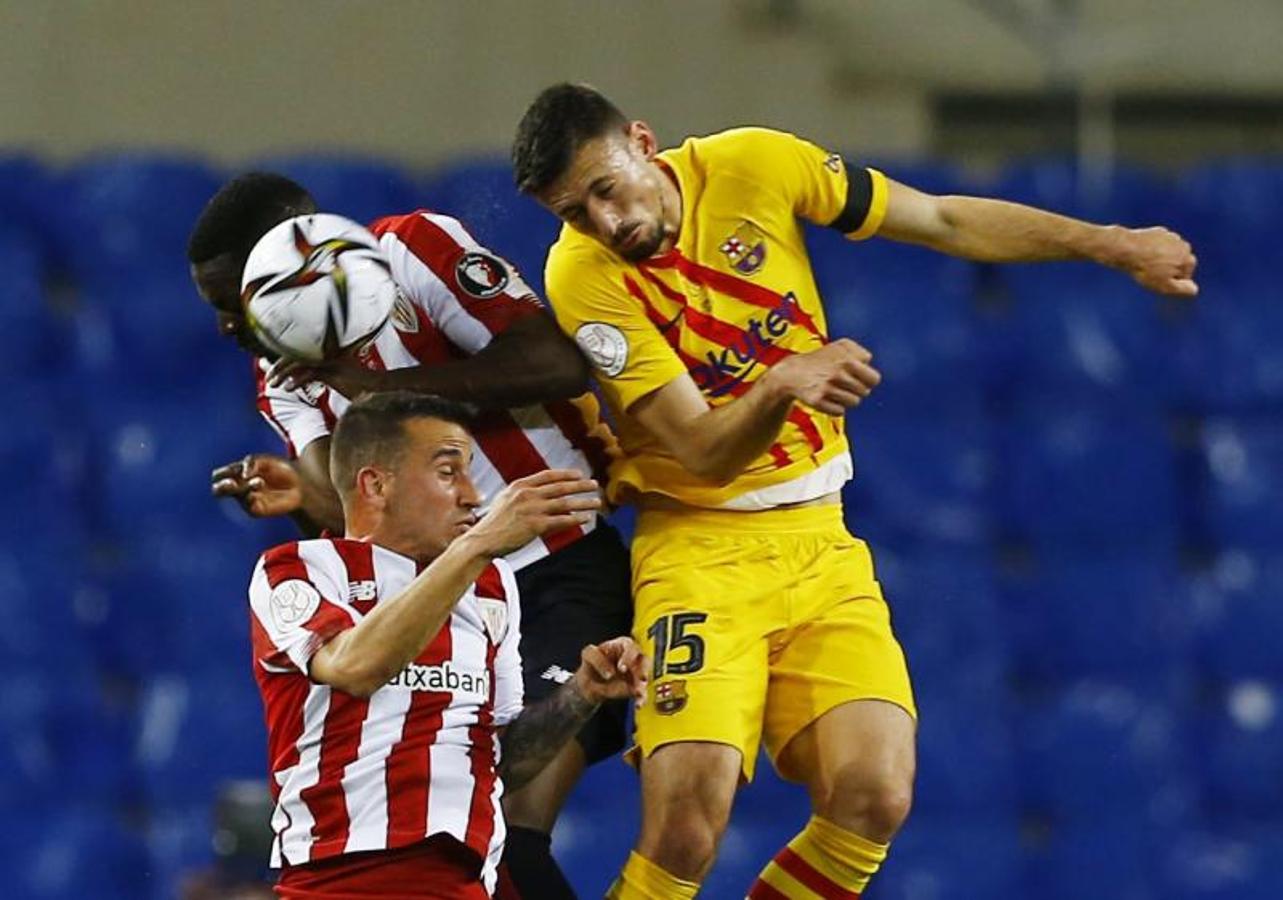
734,296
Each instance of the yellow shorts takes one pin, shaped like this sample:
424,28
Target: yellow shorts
757,625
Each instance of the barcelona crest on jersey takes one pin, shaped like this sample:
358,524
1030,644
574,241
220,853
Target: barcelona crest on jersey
745,248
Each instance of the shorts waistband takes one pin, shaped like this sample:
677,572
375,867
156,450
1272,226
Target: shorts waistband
798,520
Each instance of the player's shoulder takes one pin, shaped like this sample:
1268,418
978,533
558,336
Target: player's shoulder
740,146
575,257
308,559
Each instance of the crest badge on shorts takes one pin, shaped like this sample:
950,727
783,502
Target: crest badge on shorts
745,249
481,275
494,616
670,697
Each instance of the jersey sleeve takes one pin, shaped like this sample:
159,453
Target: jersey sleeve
297,606
509,693
469,292
820,185
297,417
603,310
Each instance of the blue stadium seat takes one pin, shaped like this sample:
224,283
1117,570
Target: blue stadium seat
1241,617
591,856
29,199
179,840
912,308
946,612
1235,862
482,196
1125,617
130,214
1094,750
921,479
1239,758
77,850
68,733
934,176
154,332
29,329
1126,195
1085,330
966,754
1224,353
196,730
1244,460
1096,479
156,453
1239,212
1117,856
39,578
191,587
46,453
952,859
363,189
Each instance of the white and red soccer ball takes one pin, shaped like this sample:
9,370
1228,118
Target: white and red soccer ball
316,287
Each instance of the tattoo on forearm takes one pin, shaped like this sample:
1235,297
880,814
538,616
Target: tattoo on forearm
535,736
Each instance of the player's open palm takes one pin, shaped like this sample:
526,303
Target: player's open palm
539,504
264,485
1160,260
830,380
613,670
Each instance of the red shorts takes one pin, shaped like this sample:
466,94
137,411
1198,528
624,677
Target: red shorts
440,867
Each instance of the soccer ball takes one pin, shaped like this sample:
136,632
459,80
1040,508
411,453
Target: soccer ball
315,287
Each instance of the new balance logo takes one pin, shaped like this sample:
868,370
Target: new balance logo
557,674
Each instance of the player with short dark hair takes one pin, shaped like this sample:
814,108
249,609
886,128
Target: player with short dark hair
684,277
464,326
389,667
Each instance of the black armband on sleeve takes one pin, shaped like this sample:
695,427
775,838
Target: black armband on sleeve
859,197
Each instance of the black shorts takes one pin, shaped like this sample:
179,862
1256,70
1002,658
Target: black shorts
578,595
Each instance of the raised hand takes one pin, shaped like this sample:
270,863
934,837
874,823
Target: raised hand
538,504
1159,259
264,485
348,377
830,380
613,670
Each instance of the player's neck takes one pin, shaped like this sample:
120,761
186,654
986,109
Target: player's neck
670,198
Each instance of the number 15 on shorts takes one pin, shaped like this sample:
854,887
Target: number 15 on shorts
669,635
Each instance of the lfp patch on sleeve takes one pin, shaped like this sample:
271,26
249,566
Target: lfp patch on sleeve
292,603
604,345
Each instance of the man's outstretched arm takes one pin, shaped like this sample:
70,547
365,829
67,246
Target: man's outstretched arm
989,230
615,669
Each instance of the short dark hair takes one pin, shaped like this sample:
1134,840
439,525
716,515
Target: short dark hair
372,430
242,211
557,123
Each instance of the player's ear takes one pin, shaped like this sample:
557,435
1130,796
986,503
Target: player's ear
371,484
642,137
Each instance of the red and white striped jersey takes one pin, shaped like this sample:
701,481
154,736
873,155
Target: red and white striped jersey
454,297
420,755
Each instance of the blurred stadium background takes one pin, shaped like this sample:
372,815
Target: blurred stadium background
1074,490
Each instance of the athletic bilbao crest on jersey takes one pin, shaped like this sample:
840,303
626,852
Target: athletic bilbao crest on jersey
481,275
745,250
670,697
404,318
494,615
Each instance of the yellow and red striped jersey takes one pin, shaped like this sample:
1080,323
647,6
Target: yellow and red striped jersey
734,296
